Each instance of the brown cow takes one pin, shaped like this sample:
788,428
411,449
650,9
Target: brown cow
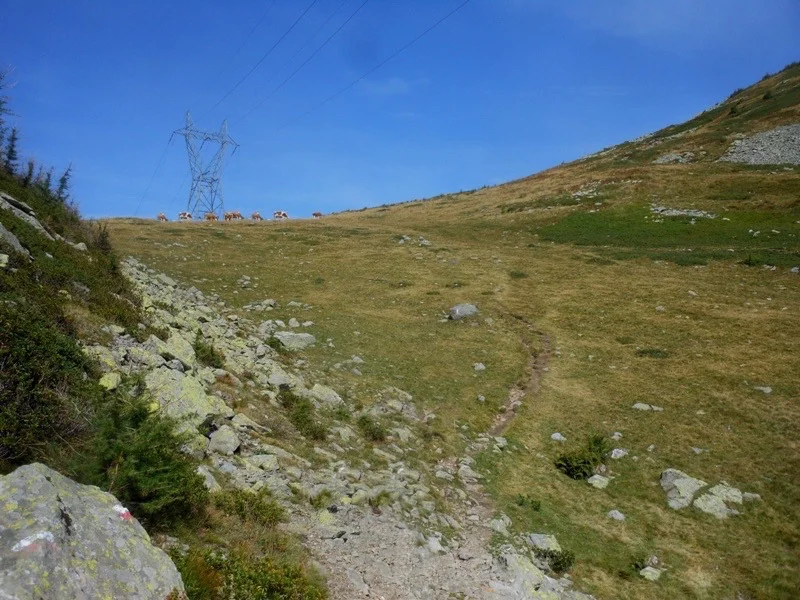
162,217
184,216
256,216
280,214
317,215
210,216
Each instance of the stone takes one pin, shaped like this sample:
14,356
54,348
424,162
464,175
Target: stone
713,505
102,356
598,481
357,581
643,406
616,515
461,311
478,367
680,488
294,322
727,493
618,453
294,342
224,441
765,389
325,395
243,422
141,356
543,541
265,462
183,397
751,497
166,280
110,381
208,478
650,573
4,261
60,539
466,473
177,346
558,437
526,577
10,204
500,525
780,145
616,436
12,240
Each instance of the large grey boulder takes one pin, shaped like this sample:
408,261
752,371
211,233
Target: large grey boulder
177,346
10,204
224,441
295,342
460,311
60,539
680,487
10,239
183,397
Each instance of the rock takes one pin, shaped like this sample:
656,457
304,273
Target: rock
10,239
763,388
714,505
751,497
543,541
60,539
650,573
433,545
294,322
500,525
243,422
224,441
727,493
643,406
265,462
183,397
479,367
12,205
618,453
444,475
526,577
141,356
780,145
4,261
680,488
616,515
466,474
294,342
80,246
166,280
110,381
461,311
208,479
674,157
181,349
598,481
325,395
557,437
102,356
357,581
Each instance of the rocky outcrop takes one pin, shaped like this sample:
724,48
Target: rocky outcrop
774,147
24,212
462,311
60,539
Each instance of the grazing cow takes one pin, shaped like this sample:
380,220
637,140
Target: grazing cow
211,217
227,216
256,216
280,214
184,216
162,217
317,215
234,215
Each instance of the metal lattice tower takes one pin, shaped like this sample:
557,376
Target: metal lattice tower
205,194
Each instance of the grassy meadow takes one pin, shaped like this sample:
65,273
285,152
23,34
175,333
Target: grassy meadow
689,314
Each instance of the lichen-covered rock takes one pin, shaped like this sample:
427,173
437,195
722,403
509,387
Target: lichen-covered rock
183,397
60,539
295,342
325,395
110,381
181,349
102,356
680,487
224,441
461,311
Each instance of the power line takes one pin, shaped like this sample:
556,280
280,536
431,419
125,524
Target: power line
375,68
304,63
241,46
152,177
263,58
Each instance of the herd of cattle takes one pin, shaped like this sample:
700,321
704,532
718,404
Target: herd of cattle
232,216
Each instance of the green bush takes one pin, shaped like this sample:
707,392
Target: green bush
652,353
135,454
373,430
559,561
581,463
206,353
240,576
517,274
322,499
302,414
249,507
524,500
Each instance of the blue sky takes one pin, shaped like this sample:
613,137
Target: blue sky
500,90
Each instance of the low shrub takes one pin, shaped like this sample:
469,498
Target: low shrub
206,353
517,274
301,414
652,353
258,508
559,561
373,430
322,499
581,463
525,501
212,576
135,454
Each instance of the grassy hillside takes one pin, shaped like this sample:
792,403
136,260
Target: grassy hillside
687,313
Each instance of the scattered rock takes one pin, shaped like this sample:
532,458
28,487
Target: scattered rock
598,481
62,540
478,367
650,573
224,441
680,487
714,505
208,479
643,406
557,437
616,515
674,157
543,541
183,397
618,453
294,342
110,381
775,146
763,388
461,311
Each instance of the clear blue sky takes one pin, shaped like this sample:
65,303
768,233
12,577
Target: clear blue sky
501,90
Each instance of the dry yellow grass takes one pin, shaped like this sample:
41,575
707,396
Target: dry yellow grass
724,329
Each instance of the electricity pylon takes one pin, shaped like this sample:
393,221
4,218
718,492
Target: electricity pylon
205,195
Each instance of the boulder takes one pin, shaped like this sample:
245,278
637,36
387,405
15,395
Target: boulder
650,573
714,505
208,478
680,488
4,261
183,397
543,541
110,381
10,204
10,239
325,395
181,349
224,441
102,356
295,342
60,539
461,311
598,481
